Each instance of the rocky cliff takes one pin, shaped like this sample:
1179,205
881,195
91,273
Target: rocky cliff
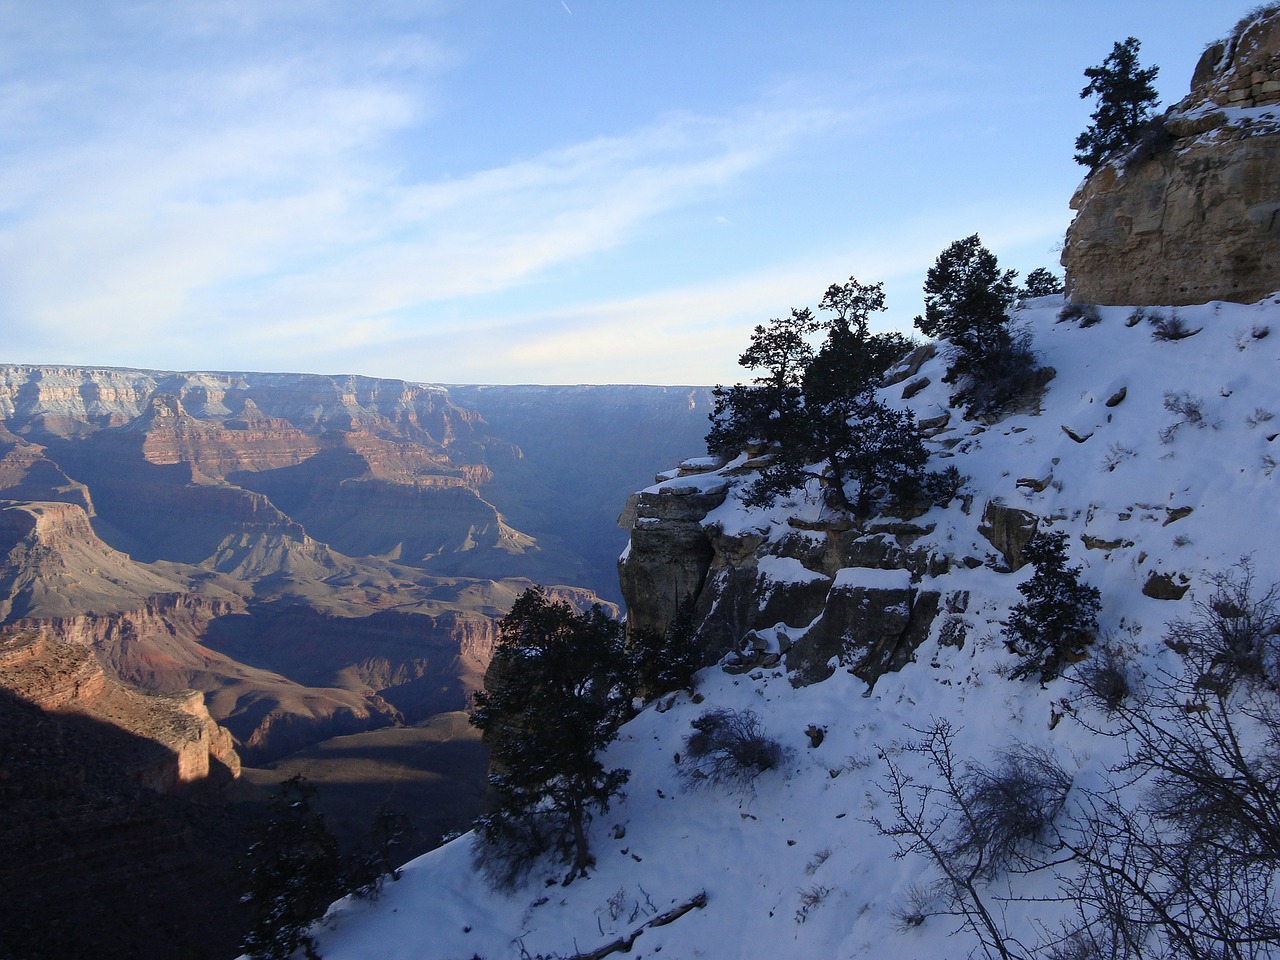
807,589
1192,214
317,555
179,743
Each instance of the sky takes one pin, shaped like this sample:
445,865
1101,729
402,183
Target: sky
524,191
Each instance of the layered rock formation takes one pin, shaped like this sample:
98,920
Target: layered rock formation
1193,213
317,555
179,743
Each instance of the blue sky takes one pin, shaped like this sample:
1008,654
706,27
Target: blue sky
523,191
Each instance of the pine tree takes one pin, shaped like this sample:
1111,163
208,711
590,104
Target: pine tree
1040,282
768,411
967,300
669,661
1058,615
293,872
557,689
1126,100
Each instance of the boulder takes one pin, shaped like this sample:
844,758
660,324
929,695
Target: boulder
1009,530
872,623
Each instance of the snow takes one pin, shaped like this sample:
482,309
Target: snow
797,868
850,577
787,570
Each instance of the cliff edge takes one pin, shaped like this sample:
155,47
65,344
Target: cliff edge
1192,213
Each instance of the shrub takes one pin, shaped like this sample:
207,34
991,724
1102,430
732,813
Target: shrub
1168,328
1087,313
1007,811
1105,678
940,487
730,749
670,661
293,871
1188,408
1233,634
1010,373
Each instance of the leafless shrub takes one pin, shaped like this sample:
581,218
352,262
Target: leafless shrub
730,749
919,903
1190,870
1188,408
1259,416
1117,453
1169,328
1087,313
810,899
1234,634
1106,677
818,859
946,820
1008,810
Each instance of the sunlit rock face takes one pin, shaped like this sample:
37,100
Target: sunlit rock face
1192,214
317,555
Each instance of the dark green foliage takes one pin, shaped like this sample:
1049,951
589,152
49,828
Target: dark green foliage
940,487
967,299
1126,99
1040,283
767,412
368,869
670,661
817,411
556,692
1058,615
293,872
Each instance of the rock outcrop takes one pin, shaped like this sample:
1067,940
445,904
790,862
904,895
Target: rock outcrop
829,591
1193,213
180,744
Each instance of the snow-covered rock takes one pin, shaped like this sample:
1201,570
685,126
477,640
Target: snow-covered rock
1176,481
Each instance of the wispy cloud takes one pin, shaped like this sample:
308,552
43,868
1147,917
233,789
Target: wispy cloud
257,199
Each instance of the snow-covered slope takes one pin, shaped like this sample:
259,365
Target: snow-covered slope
797,867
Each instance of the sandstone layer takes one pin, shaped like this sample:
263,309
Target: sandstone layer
1192,214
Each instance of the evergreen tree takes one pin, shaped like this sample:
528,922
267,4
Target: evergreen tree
768,411
1126,100
818,410
667,662
556,692
1040,283
967,300
1058,615
293,872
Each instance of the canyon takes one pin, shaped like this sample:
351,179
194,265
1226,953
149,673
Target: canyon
212,576
315,555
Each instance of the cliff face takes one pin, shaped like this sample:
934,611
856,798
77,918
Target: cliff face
795,591
1193,215
316,555
179,742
